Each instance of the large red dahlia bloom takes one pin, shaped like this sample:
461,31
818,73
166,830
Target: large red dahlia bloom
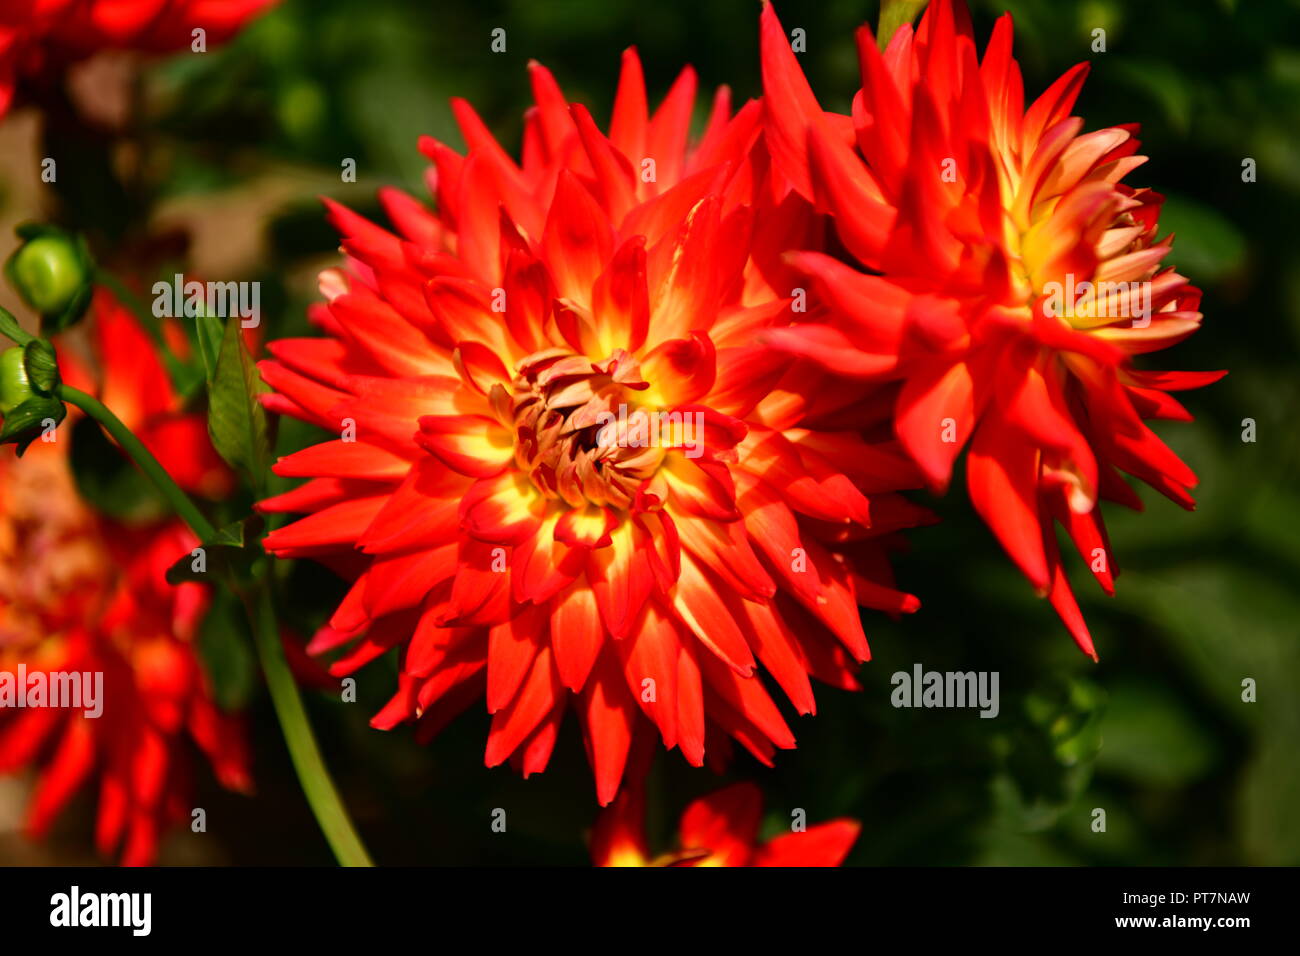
720,829
37,36
567,471
1014,278
80,593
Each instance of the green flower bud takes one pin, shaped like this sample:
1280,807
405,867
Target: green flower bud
54,274
14,386
29,379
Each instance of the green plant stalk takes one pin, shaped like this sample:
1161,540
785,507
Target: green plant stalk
317,784
150,465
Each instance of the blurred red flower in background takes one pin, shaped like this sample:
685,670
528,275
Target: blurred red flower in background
1015,278
720,829
38,37
511,522
80,592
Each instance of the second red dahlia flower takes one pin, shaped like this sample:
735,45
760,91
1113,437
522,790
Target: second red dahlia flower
1013,281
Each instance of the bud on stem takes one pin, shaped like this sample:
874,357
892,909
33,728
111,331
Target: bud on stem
53,272
29,383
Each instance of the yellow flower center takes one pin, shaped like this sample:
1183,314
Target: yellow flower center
580,433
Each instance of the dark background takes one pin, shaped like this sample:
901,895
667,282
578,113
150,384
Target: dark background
232,147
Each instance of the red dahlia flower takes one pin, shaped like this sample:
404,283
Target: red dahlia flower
39,35
80,593
720,829
1014,278
567,471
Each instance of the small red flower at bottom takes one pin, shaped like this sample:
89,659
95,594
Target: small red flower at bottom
720,829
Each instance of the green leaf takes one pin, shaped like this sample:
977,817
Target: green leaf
1269,795
237,422
183,571
1208,247
226,654
240,534
42,366
233,548
28,420
10,328
208,334
893,14
1052,753
1167,85
1153,737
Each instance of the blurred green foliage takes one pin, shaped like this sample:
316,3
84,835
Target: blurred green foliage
1157,734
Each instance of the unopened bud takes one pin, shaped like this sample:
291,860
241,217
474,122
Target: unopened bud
53,272
14,386
29,401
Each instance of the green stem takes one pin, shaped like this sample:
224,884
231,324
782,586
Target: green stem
178,499
315,778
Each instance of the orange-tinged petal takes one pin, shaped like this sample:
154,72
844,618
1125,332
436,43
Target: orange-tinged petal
503,509
578,241
608,716
701,608
526,710
790,104
576,635
1002,474
512,647
471,445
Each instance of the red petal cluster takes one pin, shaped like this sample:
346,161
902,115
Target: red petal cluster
1011,278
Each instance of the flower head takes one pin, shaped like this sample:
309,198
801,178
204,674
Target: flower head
567,471
81,594
1014,278
720,829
